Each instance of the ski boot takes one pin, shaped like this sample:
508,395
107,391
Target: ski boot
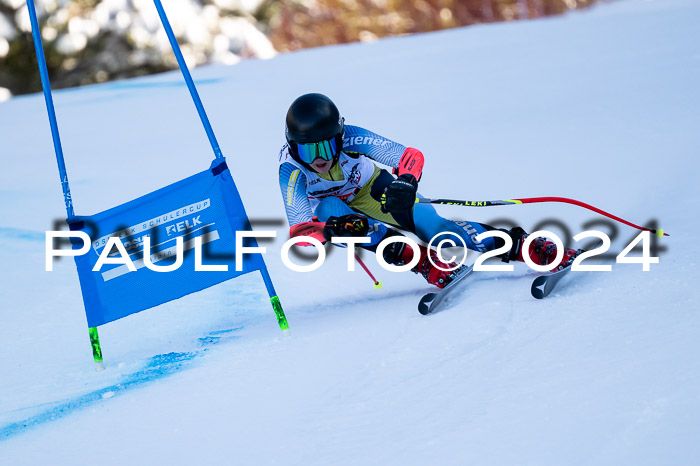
401,254
541,251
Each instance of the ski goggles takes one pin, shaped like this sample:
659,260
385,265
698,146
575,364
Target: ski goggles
311,151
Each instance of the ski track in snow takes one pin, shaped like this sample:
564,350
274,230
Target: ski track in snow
155,368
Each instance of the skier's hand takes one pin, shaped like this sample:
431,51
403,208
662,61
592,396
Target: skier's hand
346,225
400,194
314,229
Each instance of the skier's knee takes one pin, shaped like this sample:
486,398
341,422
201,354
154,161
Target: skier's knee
352,225
516,234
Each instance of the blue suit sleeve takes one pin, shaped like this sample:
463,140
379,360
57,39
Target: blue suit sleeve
296,202
374,146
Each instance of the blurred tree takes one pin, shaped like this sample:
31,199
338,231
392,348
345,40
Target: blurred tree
297,24
90,41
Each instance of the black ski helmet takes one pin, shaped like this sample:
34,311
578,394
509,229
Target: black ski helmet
313,118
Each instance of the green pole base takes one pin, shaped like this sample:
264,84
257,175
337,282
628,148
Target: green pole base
279,313
96,349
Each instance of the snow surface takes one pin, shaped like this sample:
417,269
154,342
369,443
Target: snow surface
600,105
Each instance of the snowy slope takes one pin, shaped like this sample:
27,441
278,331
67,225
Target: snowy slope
600,106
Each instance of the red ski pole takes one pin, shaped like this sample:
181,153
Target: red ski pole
532,200
377,283
314,229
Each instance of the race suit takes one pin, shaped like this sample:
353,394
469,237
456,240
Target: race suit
355,184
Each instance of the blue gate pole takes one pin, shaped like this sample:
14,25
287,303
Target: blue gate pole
46,85
44,73
274,299
188,79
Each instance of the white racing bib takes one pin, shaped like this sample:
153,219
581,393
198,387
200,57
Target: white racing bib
356,172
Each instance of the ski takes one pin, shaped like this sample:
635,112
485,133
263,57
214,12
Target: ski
544,284
431,301
541,287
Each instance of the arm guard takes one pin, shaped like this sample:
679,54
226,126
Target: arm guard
411,163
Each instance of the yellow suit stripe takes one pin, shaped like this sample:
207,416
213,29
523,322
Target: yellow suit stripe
291,185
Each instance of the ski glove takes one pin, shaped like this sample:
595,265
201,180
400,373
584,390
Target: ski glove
314,228
346,225
400,195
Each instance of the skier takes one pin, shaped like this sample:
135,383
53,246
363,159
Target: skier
331,184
